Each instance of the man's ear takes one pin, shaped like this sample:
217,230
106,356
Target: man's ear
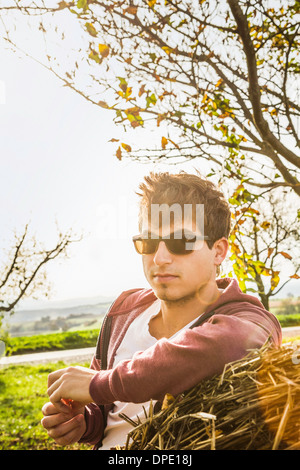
221,247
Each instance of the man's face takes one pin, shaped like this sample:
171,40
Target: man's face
177,277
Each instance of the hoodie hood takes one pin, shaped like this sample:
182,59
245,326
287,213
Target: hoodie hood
232,293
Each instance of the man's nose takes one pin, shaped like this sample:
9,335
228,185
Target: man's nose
162,255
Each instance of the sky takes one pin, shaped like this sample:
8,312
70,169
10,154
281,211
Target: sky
58,166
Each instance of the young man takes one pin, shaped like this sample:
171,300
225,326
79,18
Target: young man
168,338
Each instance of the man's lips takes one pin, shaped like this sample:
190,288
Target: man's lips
164,277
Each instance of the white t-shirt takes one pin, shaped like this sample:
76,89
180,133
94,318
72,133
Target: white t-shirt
137,338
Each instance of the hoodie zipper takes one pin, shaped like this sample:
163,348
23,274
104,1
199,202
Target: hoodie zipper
103,339
203,319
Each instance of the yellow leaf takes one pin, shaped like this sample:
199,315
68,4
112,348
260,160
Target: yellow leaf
164,142
142,90
204,97
167,401
167,50
128,92
160,118
62,5
135,111
251,210
219,82
275,279
286,255
151,3
126,147
104,50
295,276
266,272
131,10
270,251
119,153
265,224
103,104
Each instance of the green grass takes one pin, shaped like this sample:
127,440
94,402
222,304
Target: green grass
23,392
22,395
289,320
295,339
51,342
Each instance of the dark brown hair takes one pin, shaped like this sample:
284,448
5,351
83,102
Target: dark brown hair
184,188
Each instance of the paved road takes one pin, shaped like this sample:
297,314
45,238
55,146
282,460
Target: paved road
70,355
291,331
86,354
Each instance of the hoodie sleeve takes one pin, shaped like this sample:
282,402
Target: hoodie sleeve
94,425
94,418
173,366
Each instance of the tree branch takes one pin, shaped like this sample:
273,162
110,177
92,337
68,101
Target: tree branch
254,88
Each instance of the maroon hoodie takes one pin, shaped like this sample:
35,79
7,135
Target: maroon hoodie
230,327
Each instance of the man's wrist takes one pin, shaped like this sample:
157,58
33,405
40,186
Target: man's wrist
100,389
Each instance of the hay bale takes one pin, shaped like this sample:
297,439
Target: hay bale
253,404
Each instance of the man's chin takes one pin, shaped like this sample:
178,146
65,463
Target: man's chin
165,293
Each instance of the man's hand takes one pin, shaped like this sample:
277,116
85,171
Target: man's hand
71,383
65,428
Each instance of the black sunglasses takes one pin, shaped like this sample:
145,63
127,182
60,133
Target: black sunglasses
178,246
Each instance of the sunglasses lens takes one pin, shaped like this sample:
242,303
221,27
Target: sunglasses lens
146,246
179,246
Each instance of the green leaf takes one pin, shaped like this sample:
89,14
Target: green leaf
122,81
91,29
123,84
152,56
94,56
82,4
234,201
151,100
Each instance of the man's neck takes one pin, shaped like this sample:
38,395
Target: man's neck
174,315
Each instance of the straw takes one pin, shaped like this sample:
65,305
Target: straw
253,404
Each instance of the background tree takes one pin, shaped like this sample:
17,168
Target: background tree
22,273
264,232
221,75
219,81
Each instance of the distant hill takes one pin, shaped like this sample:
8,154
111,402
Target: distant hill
29,304
57,316
37,314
